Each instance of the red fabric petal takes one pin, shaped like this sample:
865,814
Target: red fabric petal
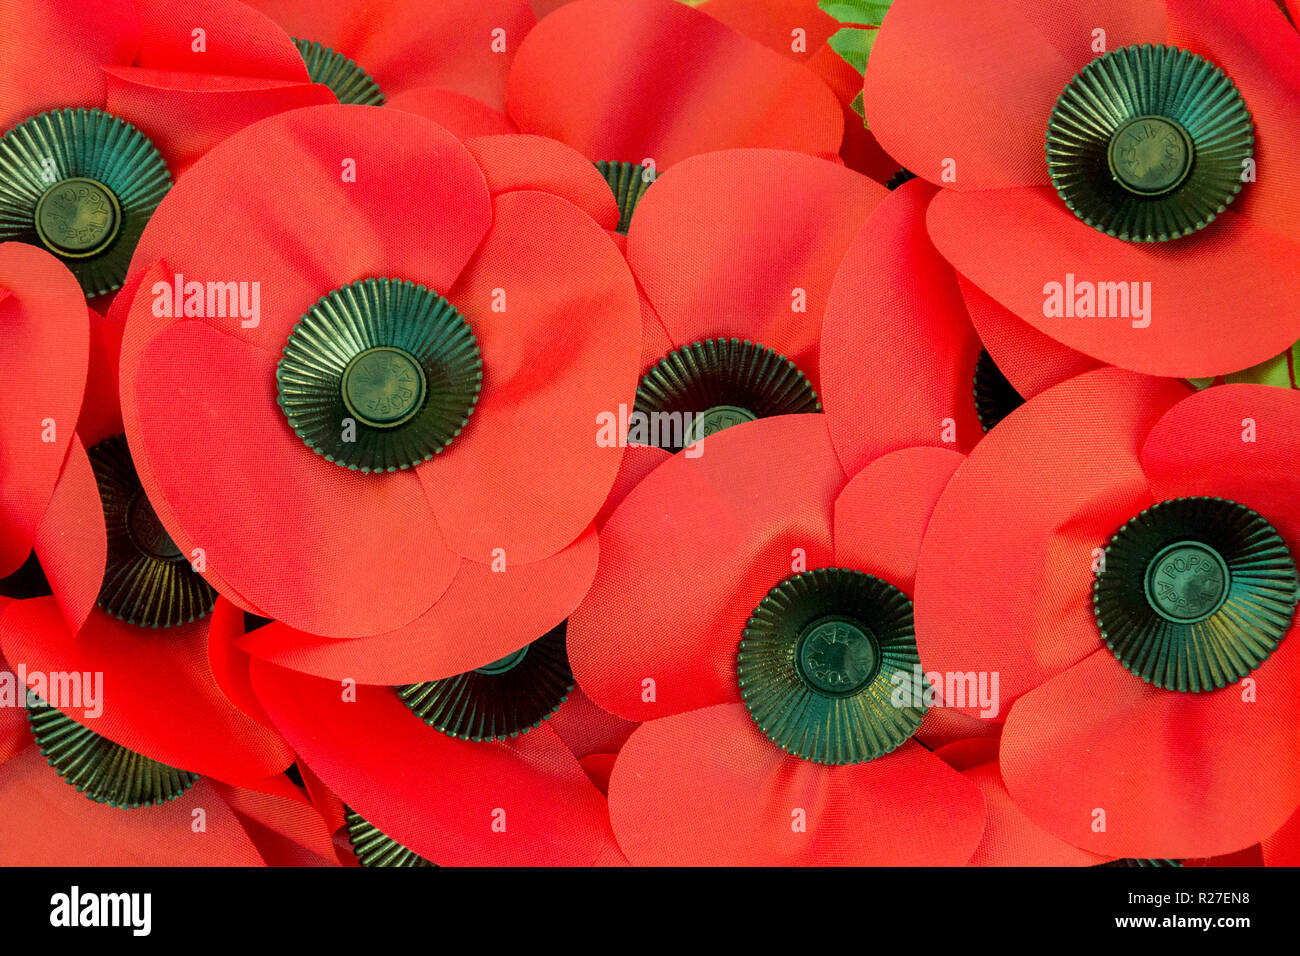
236,40
392,41
1251,41
1011,838
45,822
1177,775
942,726
144,326
277,805
1283,847
71,541
638,461
686,84
43,319
586,729
773,22
483,616
706,788
598,768
463,115
79,38
527,475
186,114
14,735
1232,275
157,695
895,292
437,795
1005,575
1030,360
1232,441
297,228
669,603
101,413
720,244
306,540
982,77
886,541
534,162
230,663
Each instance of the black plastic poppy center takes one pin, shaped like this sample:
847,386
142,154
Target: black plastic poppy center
148,532
828,667
1151,155
380,375
1195,593
1150,142
628,182
78,217
837,655
383,387
710,385
349,83
503,664
995,396
1187,581
147,579
502,699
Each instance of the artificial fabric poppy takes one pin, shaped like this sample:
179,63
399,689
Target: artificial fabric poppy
1120,551
735,252
900,321
630,82
141,90
484,768
1067,236
751,607
405,430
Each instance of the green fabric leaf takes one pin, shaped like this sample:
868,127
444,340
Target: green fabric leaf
854,46
867,13
859,107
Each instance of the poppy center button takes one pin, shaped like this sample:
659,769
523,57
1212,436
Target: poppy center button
1187,582
837,656
148,532
77,217
1151,155
383,387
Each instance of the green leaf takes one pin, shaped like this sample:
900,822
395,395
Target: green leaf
854,46
866,13
859,107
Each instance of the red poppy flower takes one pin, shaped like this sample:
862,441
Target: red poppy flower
327,550
799,31
656,640
1218,300
186,77
412,789
636,80
962,361
1128,507
461,47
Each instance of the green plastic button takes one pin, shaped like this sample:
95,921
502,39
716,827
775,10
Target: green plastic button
837,655
1149,143
348,82
147,579
1187,582
379,375
82,183
503,699
78,217
104,771
821,660
1195,593
383,387
717,383
1151,155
